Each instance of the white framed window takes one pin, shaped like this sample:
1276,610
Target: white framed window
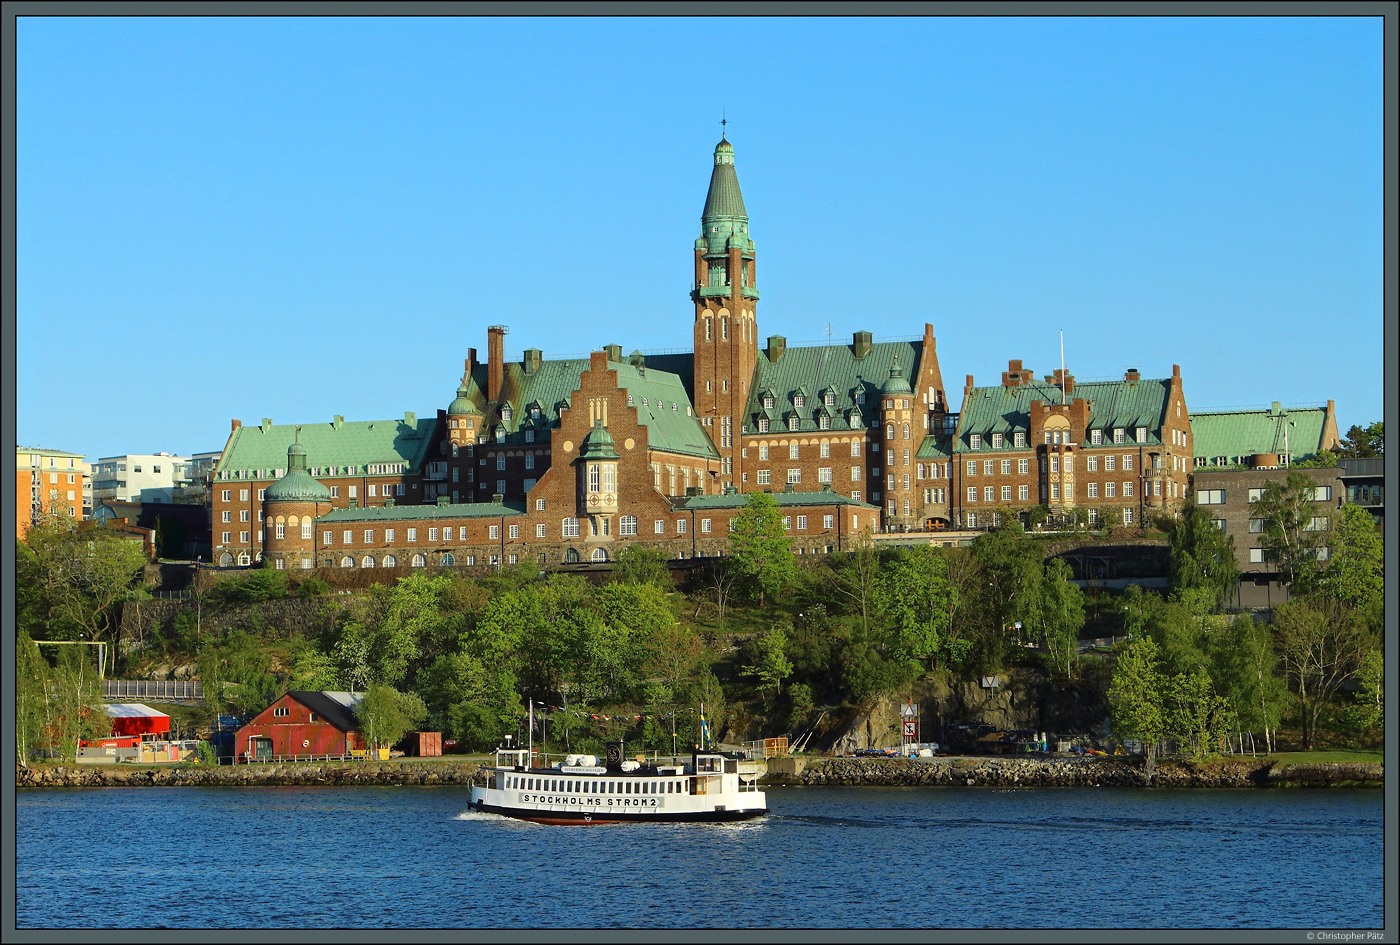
539,505
1023,466
997,441
500,462
1127,490
569,528
971,519
792,451
855,474
627,525
801,523
335,494
1109,463
1142,434
825,450
243,537
659,526
412,534
226,516
762,424
242,493
855,494
989,494
1006,493
1096,437
1091,464
765,477
1093,488
514,532
971,493
371,490
824,474
855,447
1118,434
1019,439
224,495
1109,490
680,526
281,530
974,442
347,537
787,523
1127,516
493,532
432,534
369,536
1006,467
351,491
972,467
794,476
1023,493
1127,462
705,525
763,452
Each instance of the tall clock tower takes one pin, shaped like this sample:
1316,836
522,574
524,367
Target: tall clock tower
726,333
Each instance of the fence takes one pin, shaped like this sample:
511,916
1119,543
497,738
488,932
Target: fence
178,689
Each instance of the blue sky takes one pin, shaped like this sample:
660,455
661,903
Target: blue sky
300,217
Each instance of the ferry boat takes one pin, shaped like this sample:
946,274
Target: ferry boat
713,786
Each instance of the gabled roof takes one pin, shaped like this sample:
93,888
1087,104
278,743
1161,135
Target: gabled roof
1236,434
1112,404
662,403
936,446
260,452
337,708
829,366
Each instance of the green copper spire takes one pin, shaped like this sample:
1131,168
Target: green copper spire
724,203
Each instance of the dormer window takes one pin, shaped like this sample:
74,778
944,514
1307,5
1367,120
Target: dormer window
860,395
534,413
505,415
824,422
1118,434
974,442
1142,434
500,435
828,399
767,402
1096,437
997,441
762,424
798,400
792,422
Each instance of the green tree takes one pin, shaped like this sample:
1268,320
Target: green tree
1009,589
768,662
387,715
1245,670
760,547
1291,528
1202,555
856,579
1135,698
1364,442
1320,646
914,600
1193,714
637,565
1061,618
1353,577
73,693
83,574
32,714
1368,714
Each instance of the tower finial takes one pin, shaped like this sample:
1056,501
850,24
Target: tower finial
723,122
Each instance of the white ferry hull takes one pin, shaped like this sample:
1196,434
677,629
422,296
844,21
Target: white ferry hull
717,791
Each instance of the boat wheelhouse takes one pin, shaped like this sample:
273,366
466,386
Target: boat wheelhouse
712,786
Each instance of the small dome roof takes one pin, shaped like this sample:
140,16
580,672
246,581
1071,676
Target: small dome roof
463,404
297,485
598,444
896,384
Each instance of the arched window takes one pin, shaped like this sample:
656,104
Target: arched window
570,556
244,560
367,561
225,560
906,431
390,561
889,431
447,559
347,562
418,561
600,554
306,529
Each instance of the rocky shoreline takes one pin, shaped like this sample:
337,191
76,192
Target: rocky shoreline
1066,772
943,772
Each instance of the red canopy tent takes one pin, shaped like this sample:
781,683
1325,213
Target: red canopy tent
133,718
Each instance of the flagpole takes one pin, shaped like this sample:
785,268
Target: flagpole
530,753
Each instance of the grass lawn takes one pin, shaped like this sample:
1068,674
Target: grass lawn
1341,756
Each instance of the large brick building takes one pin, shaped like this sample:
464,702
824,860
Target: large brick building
563,460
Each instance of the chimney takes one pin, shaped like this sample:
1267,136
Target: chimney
410,419
860,344
967,387
533,359
267,422
777,344
234,425
495,361
354,503
1013,375
336,421
1132,375
389,502
1061,376
497,498
441,500
614,352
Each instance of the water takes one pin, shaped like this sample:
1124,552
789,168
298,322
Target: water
407,857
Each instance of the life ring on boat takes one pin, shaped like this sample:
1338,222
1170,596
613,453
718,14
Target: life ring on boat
306,743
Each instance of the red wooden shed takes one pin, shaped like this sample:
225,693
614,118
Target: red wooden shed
301,723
